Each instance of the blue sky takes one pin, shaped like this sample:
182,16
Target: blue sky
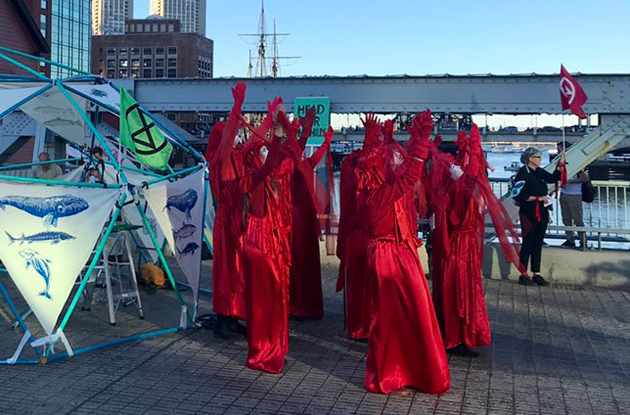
348,37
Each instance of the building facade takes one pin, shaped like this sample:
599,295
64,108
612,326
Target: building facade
70,36
25,27
108,16
192,13
152,48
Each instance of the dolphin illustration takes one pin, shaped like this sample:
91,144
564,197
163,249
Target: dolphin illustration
40,264
49,208
184,202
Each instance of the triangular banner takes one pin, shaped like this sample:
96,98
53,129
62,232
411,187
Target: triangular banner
12,97
178,208
47,234
55,112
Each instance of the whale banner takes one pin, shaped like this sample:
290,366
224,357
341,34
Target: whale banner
178,209
47,235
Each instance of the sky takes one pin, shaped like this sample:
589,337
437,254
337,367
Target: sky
415,37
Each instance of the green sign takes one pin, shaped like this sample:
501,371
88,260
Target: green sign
322,117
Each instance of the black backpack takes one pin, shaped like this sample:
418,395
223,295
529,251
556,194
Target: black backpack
588,192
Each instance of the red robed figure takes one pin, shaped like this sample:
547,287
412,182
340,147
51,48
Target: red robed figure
405,346
457,285
306,297
266,259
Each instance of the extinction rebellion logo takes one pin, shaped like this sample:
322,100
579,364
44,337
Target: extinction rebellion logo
567,88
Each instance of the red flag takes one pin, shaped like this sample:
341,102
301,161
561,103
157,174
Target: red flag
572,95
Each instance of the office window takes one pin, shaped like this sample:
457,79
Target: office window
171,27
155,27
147,28
135,73
111,63
123,52
159,51
159,73
172,73
123,63
172,50
172,63
146,73
111,52
122,73
111,73
147,63
42,26
159,63
43,4
135,63
135,52
148,51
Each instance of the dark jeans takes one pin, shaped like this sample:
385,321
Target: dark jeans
533,238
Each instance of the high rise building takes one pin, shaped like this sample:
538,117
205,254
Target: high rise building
108,16
192,13
25,27
152,48
70,36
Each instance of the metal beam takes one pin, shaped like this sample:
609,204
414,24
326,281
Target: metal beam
469,94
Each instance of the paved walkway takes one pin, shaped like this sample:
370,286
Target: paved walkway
556,351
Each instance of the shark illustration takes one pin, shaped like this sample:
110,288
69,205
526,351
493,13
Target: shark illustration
40,264
49,237
58,122
49,208
184,202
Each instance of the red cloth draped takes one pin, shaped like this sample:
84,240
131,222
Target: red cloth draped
351,251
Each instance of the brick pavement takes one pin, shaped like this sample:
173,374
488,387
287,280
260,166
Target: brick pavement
557,350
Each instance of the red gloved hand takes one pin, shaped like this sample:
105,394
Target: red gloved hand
238,92
388,132
328,135
423,124
372,130
273,106
308,121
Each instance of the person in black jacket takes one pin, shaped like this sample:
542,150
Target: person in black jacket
530,191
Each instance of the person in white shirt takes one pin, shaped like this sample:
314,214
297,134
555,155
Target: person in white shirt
47,171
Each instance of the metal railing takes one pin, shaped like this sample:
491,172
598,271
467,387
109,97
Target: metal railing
606,219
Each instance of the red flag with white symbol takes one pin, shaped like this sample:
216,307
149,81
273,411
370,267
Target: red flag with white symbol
572,96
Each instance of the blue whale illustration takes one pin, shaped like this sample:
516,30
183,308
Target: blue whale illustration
49,208
184,202
40,264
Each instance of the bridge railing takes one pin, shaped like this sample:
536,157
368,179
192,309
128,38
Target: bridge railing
606,220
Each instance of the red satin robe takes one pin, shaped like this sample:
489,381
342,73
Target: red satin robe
228,281
266,260
458,290
306,298
405,345
351,251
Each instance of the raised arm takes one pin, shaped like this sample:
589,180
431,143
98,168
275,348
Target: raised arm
307,127
319,153
231,128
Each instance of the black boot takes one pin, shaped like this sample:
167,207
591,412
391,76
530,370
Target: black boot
526,281
221,328
235,326
462,350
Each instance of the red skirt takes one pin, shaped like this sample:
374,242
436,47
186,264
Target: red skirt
228,281
405,346
267,299
458,293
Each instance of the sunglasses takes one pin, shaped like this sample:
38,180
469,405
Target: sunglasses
535,157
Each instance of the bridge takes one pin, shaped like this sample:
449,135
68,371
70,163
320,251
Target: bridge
456,94
497,137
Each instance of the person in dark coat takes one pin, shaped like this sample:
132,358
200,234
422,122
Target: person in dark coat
530,191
